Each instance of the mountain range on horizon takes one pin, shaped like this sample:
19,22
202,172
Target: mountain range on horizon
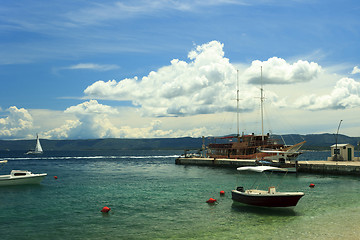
313,142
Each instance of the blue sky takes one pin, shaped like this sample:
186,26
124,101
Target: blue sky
97,69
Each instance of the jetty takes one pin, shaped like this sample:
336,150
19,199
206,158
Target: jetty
341,162
319,167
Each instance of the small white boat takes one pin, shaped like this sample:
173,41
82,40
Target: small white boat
20,177
38,148
262,198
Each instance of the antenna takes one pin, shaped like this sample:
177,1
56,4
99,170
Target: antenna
336,141
237,104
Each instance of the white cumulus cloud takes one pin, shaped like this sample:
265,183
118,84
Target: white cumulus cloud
91,107
94,121
344,95
355,70
278,71
17,124
205,84
62,132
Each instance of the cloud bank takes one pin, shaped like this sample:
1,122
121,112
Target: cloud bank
94,120
278,71
206,84
355,70
344,95
17,124
93,66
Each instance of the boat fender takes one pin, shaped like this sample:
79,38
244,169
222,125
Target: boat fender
211,200
222,192
105,209
312,185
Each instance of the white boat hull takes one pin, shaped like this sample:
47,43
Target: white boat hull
25,178
33,152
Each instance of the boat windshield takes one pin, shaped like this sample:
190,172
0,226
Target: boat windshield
19,174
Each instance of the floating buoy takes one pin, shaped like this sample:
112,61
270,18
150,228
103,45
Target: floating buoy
312,185
211,200
105,209
55,177
222,192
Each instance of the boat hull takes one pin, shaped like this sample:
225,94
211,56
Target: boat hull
33,153
267,200
7,180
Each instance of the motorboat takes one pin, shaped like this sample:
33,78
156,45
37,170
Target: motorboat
265,198
21,177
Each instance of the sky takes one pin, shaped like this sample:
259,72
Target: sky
171,68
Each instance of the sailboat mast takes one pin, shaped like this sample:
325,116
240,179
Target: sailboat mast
237,104
262,108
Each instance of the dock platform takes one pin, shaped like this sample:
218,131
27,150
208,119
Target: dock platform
320,167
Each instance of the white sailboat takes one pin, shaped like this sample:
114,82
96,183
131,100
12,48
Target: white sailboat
38,148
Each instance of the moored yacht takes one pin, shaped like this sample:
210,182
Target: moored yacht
20,177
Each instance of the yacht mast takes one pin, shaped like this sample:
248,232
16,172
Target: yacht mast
262,108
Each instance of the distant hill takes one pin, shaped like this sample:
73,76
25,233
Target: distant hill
103,144
313,141
318,141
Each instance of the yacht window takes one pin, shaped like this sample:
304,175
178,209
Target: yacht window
19,174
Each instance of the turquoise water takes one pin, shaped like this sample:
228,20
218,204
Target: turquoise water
152,198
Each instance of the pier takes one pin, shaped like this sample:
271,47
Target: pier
320,167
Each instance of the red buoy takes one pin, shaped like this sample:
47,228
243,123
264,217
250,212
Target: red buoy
312,185
222,192
55,177
105,209
211,200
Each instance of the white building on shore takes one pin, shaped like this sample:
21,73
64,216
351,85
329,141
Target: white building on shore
343,152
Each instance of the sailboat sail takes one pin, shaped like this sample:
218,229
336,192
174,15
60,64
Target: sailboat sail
38,147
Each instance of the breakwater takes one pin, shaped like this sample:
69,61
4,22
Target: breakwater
320,167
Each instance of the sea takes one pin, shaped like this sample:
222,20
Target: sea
153,198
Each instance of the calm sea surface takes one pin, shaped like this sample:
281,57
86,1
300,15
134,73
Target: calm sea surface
152,198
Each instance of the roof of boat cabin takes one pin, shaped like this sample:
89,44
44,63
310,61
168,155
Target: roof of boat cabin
261,168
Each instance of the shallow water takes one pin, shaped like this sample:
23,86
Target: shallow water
152,198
